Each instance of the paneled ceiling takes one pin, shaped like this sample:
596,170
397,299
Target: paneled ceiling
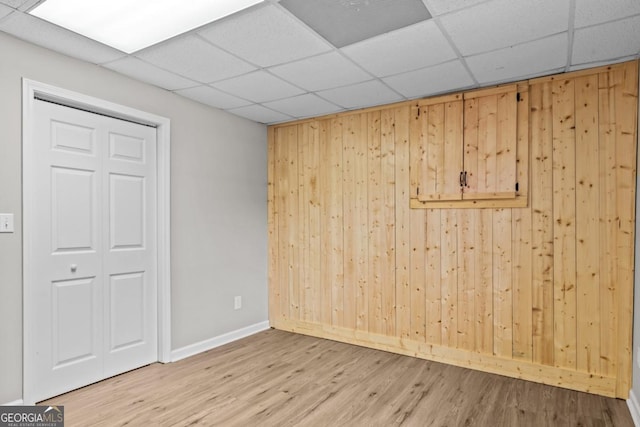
287,59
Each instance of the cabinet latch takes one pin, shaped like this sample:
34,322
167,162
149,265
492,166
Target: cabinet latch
463,179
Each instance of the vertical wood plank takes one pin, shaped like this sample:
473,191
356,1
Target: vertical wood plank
403,223
335,230
453,146
310,187
626,100
433,289
417,237
608,226
449,275
564,222
487,144
302,221
471,154
362,224
522,303
506,138
587,222
502,282
436,148
417,151
272,226
376,221
286,153
466,277
352,242
281,189
541,122
293,226
388,277
523,167
484,282
325,174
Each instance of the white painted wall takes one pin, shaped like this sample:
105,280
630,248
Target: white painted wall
218,207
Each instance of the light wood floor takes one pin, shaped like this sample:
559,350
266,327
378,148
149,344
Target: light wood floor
276,378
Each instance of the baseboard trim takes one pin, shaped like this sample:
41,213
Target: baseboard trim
18,402
202,346
634,407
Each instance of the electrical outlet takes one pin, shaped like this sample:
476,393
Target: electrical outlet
6,223
237,303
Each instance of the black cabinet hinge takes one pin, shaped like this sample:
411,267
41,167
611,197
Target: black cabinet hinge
517,187
518,97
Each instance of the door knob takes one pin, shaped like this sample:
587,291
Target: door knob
74,267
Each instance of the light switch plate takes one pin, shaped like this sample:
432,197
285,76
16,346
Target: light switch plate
6,223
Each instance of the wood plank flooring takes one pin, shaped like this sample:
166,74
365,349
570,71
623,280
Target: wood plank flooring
277,378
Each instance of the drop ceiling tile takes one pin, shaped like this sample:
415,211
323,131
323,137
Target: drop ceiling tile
213,97
591,12
16,4
429,81
196,59
307,105
258,86
407,49
29,4
364,94
343,22
607,41
321,72
502,23
5,11
266,36
51,36
260,114
525,60
440,7
140,70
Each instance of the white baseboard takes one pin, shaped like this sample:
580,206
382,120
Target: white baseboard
202,346
19,402
634,407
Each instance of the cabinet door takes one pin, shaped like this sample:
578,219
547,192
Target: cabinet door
436,140
490,141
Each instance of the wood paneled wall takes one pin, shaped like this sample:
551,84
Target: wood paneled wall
542,293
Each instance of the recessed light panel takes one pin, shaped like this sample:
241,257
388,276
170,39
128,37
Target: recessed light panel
343,22
133,25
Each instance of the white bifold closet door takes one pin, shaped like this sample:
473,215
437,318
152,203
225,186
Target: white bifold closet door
94,248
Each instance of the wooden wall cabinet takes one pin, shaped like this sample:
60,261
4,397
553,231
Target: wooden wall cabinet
541,291
464,150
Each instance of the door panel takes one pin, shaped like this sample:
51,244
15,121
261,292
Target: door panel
73,209
123,147
490,135
75,338
440,150
127,310
72,137
127,211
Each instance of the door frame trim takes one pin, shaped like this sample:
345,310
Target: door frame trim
32,89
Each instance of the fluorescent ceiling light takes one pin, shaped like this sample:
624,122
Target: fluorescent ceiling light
131,25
